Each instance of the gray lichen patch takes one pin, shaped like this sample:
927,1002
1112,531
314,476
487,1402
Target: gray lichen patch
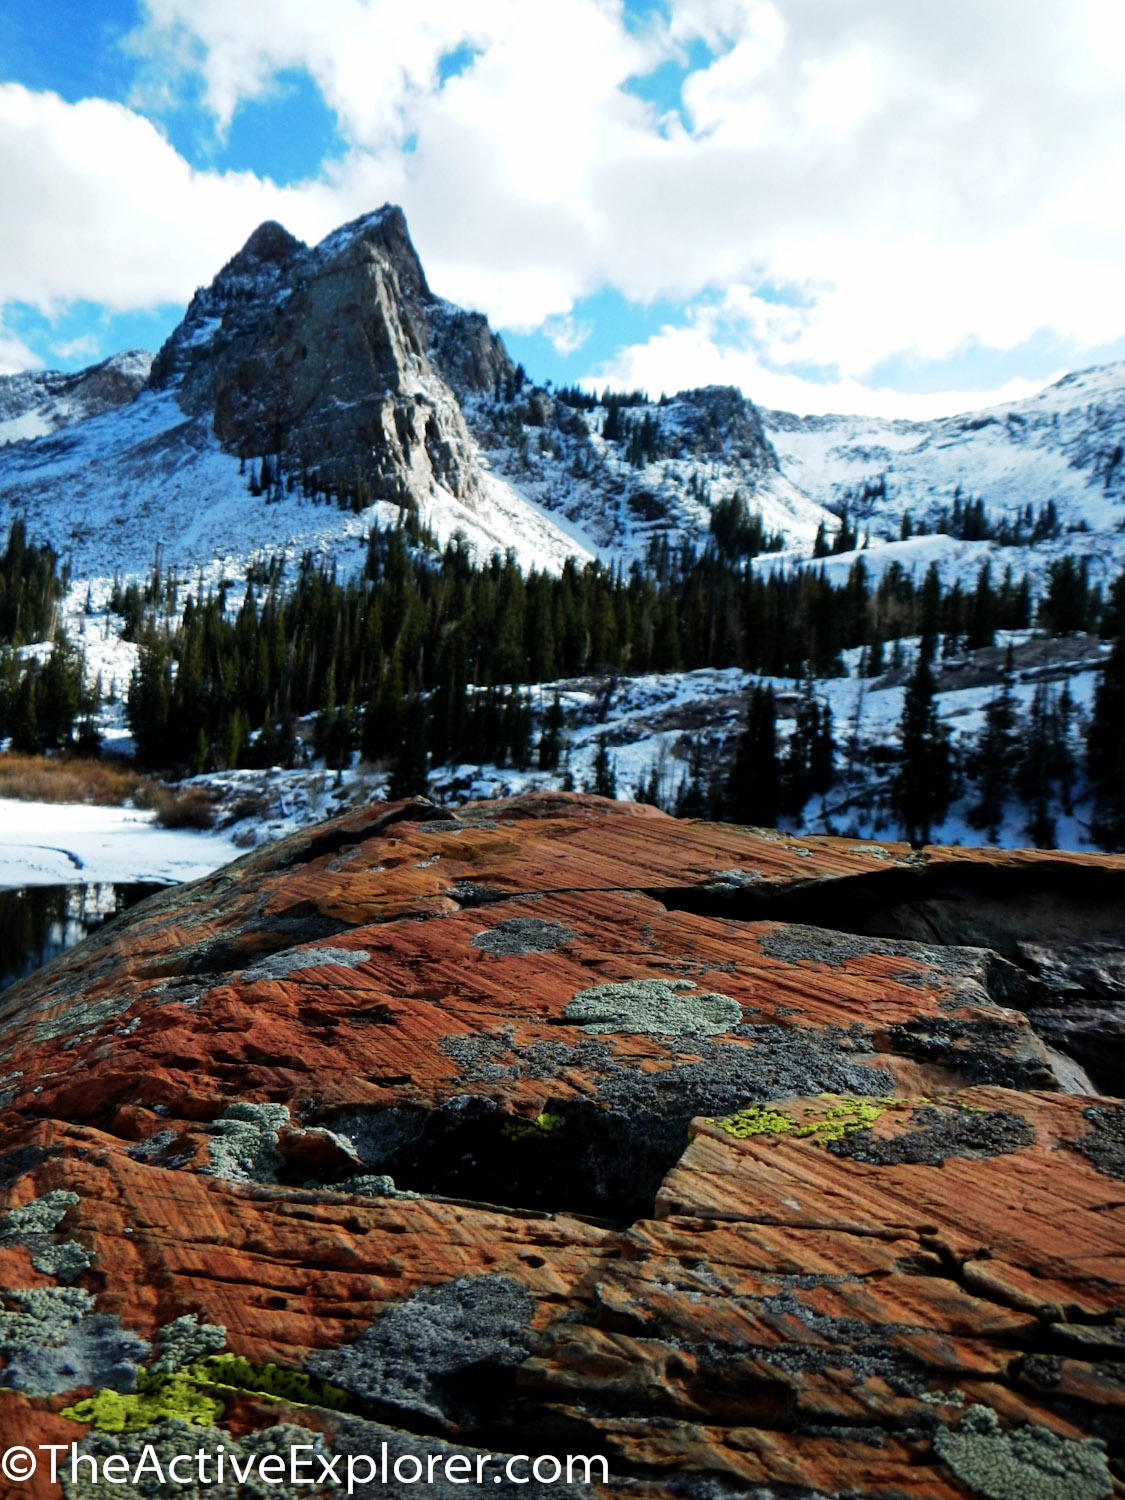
1030,1463
1104,1146
658,1007
81,1017
417,1353
186,1339
65,1262
296,960
368,1185
727,882
940,1133
53,1341
151,1452
40,1216
794,943
519,935
243,1145
33,1226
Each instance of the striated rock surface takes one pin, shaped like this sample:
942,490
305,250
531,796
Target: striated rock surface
557,1126
337,364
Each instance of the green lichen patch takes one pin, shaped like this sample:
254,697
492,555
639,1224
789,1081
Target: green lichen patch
830,1124
156,1399
533,1130
658,1007
195,1394
230,1372
1029,1463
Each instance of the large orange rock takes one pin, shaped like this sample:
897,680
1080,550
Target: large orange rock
747,1163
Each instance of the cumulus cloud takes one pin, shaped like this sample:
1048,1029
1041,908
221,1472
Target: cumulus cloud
911,177
706,350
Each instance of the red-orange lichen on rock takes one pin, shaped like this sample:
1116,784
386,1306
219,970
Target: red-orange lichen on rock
511,1123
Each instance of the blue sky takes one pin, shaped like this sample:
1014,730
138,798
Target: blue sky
863,207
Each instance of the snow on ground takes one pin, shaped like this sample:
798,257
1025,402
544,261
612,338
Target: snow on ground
1063,445
115,492
43,843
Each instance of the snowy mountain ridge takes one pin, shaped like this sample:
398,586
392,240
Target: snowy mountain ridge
41,401
311,392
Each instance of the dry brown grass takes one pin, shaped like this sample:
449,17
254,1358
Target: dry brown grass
40,778
179,807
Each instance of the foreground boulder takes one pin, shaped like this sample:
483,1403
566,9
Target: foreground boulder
746,1163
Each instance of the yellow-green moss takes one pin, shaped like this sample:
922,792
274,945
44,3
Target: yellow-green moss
156,1398
848,1114
233,1373
532,1130
193,1394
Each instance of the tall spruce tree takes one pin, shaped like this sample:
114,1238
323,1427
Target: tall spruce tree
994,763
923,785
1105,750
754,785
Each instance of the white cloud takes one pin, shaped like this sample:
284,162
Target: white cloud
15,354
919,177
567,335
679,357
98,205
85,346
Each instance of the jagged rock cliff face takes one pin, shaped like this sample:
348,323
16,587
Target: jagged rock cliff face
559,1127
337,362
37,403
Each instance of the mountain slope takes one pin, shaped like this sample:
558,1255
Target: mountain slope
42,401
333,374
1064,446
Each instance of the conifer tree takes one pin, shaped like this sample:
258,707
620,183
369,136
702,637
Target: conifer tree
604,783
994,762
922,787
754,785
1105,750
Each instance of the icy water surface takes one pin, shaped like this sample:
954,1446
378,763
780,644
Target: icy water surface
36,922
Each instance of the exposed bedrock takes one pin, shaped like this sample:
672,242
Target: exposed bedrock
750,1164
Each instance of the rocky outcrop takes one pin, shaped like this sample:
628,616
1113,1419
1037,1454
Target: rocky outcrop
559,1127
336,364
41,402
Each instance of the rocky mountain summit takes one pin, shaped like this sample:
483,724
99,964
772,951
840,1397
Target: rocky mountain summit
336,362
750,1164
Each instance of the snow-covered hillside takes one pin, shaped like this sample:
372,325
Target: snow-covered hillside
702,447
42,401
109,492
1065,445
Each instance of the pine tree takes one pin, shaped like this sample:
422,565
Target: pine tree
922,787
1105,750
754,785
410,777
691,799
604,783
994,762
550,740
